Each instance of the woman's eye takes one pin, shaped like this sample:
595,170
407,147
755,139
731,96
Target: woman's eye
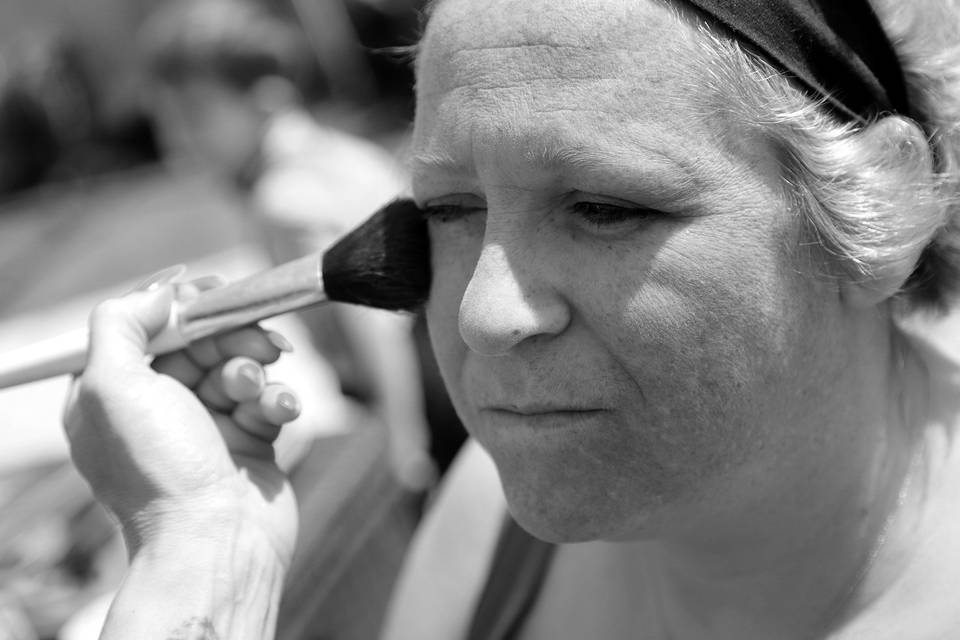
601,214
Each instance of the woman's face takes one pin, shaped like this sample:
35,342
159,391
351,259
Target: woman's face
620,306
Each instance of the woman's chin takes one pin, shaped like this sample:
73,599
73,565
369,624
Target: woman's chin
571,518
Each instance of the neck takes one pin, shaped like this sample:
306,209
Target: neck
829,536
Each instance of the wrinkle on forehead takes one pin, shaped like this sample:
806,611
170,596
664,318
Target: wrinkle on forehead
552,79
597,23
502,75
516,65
611,50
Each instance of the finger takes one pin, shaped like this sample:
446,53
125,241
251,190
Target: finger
279,404
193,288
70,406
250,419
160,278
237,380
263,417
240,441
204,283
181,367
121,328
252,342
242,379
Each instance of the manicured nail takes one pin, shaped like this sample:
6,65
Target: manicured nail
279,341
243,379
208,282
160,278
251,373
288,401
279,405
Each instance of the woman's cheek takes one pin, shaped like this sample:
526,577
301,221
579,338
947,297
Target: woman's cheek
453,259
701,349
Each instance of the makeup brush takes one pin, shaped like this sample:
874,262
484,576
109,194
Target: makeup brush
383,263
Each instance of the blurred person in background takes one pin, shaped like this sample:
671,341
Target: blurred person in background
28,146
52,127
230,80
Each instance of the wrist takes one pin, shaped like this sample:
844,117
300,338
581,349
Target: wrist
216,537
169,526
226,582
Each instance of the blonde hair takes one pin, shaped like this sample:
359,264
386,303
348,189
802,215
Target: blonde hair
882,205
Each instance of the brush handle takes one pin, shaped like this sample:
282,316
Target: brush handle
66,353
288,287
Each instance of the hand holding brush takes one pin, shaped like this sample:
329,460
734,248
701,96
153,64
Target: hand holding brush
383,263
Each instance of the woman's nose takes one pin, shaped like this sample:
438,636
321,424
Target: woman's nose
508,301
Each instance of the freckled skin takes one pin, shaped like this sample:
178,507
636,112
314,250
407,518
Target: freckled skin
712,354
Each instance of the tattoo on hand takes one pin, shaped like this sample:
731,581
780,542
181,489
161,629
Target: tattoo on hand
195,629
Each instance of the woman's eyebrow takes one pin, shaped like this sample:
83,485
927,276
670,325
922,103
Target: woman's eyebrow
618,168
559,156
650,170
435,161
555,157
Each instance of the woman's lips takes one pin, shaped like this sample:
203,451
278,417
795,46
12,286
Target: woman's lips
537,409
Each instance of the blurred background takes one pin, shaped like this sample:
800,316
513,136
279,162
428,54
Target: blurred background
105,177
72,80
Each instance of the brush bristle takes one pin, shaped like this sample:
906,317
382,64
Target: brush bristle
383,263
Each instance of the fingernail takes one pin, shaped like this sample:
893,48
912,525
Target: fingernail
160,278
208,282
279,341
251,373
288,401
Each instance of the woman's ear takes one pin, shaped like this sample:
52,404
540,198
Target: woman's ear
907,160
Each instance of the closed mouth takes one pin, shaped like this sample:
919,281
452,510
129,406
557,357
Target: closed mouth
540,410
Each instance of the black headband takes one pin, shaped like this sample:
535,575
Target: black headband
835,48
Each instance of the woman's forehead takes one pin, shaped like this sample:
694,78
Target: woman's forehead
487,65
594,23
488,43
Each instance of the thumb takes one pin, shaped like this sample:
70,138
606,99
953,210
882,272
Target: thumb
121,328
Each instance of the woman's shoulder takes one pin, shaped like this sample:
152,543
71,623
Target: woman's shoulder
447,564
918,599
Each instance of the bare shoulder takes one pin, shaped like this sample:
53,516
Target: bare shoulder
447,563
